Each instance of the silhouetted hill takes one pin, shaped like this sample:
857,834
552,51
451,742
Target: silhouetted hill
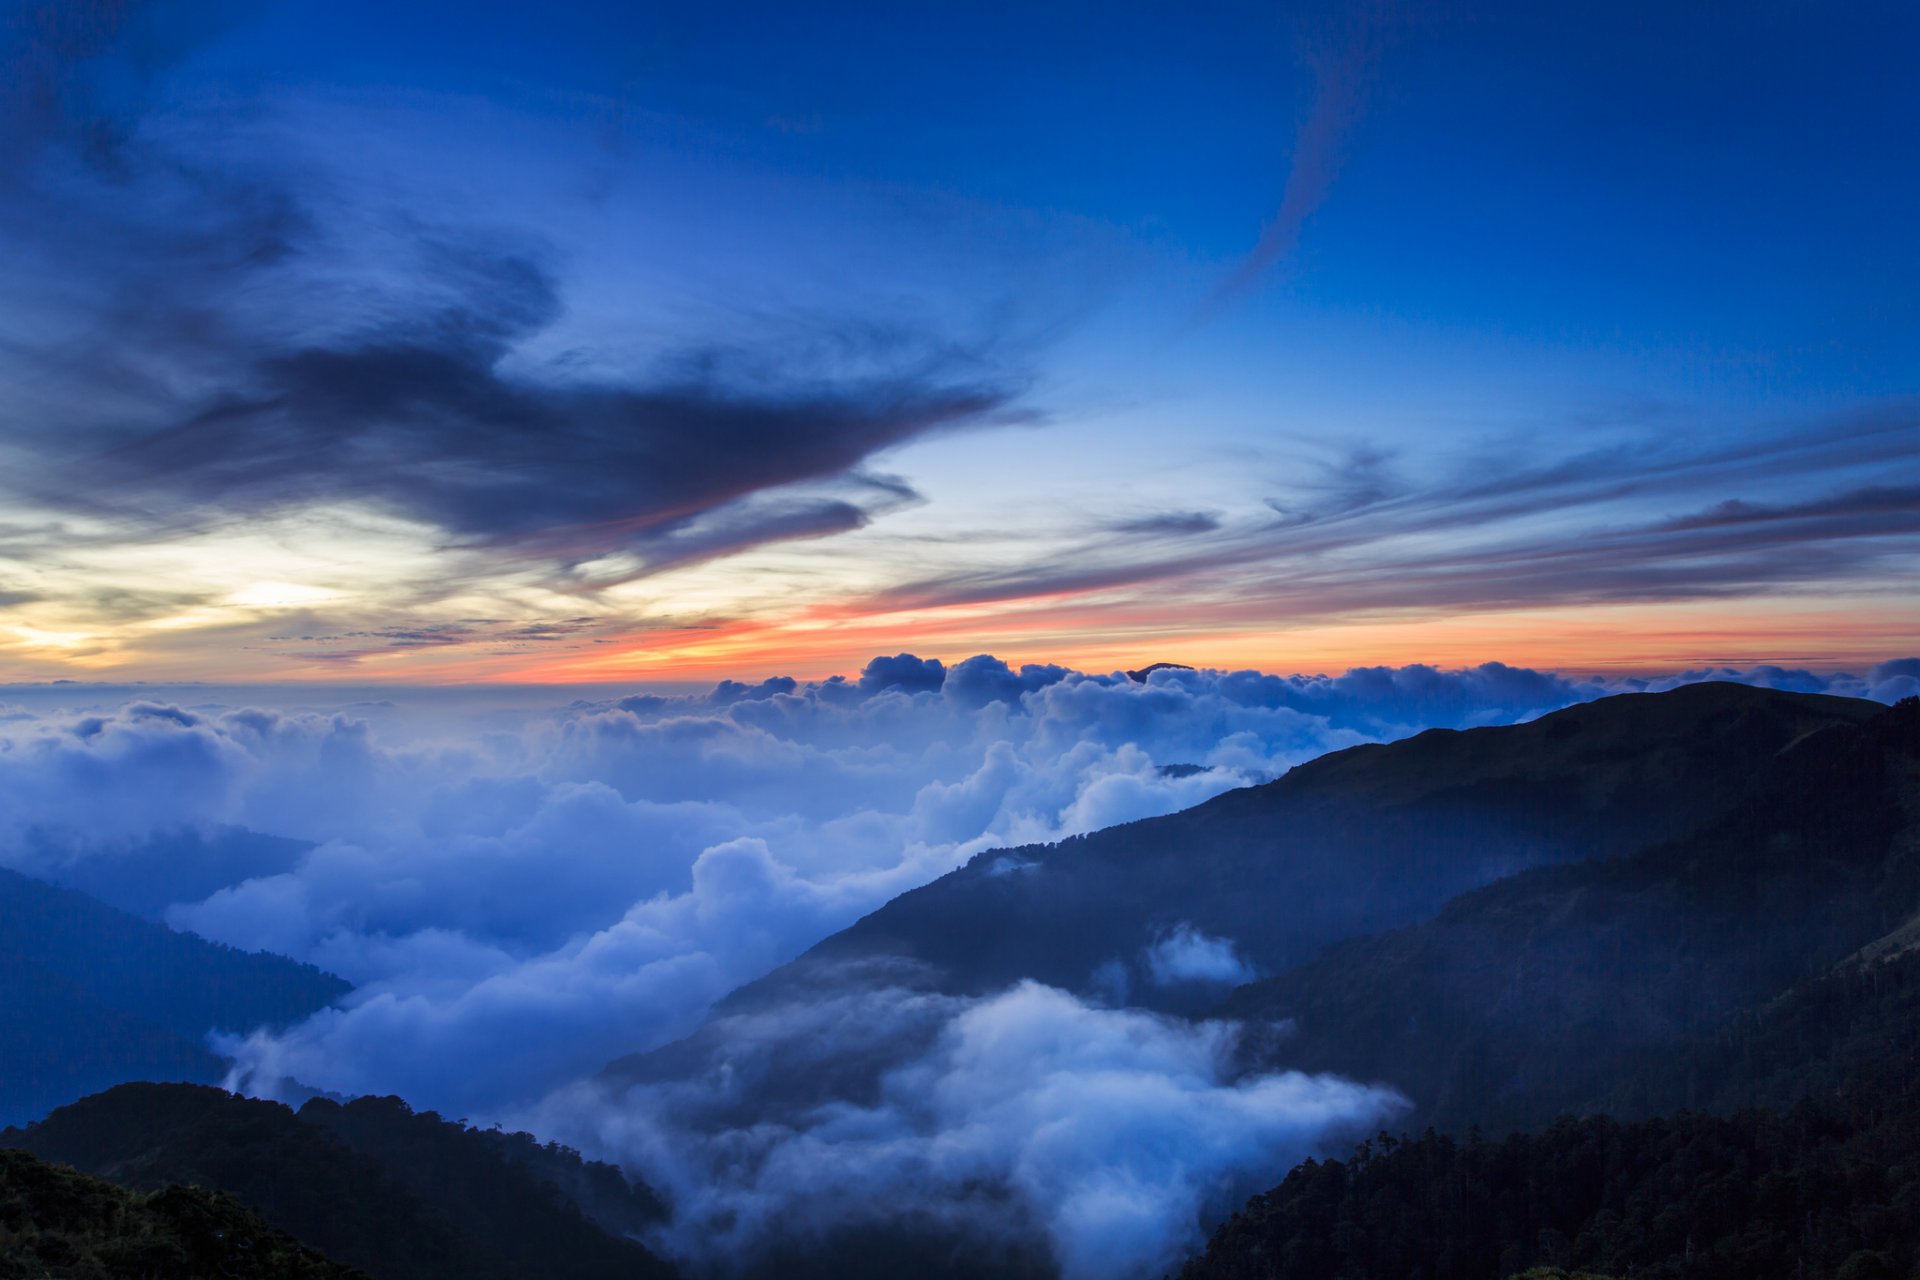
1139,675
1578,988
94,996
482,1178
403,1196
1355,842
57,1222
1820,1186
1762,972
1821,1193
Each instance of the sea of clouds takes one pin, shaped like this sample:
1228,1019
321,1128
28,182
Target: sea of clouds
522,895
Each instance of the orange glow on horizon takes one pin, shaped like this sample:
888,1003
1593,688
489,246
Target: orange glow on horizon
1617,639
1089,631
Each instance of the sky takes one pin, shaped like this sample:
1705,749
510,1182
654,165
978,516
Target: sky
604,343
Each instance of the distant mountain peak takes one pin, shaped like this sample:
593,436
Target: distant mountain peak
96,996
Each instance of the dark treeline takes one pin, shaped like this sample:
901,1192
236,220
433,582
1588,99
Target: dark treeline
1823,1187
1822,1191
403,1196
57,1222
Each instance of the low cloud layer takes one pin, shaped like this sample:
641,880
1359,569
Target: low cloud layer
522,894
545,890
1028,1120
1187,955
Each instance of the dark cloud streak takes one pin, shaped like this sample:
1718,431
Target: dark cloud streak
1169,523
233,352
1340,66
417,417
1378,543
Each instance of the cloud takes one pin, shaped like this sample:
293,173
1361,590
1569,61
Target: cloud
81,73
550,887
523,893
419,413
1504,529
1340,66
1169,523
231,326
1109,1135
1186,955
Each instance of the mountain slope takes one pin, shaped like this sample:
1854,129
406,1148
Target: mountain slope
1819,1193
1819,1184
1573,903
1354,842
1574,987
1608,987
400,1195
57,1222
95,996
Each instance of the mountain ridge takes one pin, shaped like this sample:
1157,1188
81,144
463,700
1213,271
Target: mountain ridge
1438,813
98,996
399,1194
1561,981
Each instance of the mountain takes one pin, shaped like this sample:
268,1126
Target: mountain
1584,987
95,996
483,1179
1331,876
1759,979
1820,1193
1355,842
56,1222
400,1195
1819,1184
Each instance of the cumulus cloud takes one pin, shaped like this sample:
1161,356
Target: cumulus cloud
523,893
544,889
1187,955
1107,1135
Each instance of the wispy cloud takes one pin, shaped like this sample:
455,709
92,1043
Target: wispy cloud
1340,63
1168,523
230,338
1595,526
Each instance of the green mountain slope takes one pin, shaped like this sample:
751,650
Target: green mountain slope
1368,838
1756,979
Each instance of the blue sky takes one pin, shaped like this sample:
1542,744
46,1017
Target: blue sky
435,342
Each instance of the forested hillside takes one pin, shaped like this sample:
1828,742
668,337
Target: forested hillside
55,1222
1364,839
399,1195
1822,1186
1760,982
1579,988
95,996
